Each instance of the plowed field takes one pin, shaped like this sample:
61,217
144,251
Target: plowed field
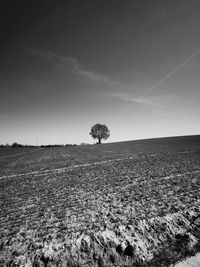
133,203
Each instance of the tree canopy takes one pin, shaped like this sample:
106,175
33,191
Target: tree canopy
100,131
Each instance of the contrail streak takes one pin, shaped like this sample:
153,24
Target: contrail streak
171,73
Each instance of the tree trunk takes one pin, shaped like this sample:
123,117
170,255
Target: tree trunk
99,141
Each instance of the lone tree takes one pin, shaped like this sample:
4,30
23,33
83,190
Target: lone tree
100,131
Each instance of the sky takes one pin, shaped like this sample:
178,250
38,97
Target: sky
133,65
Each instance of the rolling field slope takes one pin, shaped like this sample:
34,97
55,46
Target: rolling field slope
134,203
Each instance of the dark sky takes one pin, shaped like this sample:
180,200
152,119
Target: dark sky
66,65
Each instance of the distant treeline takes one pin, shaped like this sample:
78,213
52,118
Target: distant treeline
57,145
15,144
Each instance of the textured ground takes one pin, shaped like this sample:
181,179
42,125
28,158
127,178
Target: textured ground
123,204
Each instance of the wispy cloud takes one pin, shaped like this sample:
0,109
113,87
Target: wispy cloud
141,100
73,65
171,73
10,118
